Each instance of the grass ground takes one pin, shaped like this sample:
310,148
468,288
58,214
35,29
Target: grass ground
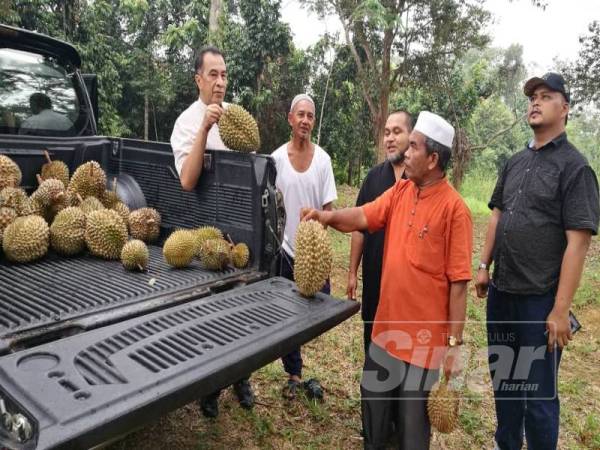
336,358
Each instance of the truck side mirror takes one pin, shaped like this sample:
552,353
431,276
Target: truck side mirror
91,84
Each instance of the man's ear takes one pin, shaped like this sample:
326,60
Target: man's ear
434,159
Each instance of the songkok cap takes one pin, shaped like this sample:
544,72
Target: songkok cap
436,128
300,97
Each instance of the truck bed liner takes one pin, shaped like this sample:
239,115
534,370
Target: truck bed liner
82,390
63,293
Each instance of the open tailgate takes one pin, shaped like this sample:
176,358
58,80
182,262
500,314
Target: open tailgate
80,391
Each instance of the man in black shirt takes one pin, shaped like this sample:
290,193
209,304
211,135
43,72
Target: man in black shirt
545,208
369,246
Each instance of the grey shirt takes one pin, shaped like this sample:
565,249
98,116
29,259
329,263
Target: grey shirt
541,193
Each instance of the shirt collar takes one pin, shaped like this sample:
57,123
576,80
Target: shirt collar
556,142
428,191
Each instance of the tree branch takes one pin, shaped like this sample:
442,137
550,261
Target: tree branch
498,134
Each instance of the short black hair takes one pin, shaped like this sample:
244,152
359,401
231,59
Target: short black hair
444,153
200,56
409,117
40,100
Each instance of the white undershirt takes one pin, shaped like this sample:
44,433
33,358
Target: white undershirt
186,129
313,188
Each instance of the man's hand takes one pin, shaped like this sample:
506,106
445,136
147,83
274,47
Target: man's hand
211,116
453,363
482,283
351,286
558,328
310,214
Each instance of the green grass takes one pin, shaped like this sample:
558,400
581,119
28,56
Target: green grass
476,190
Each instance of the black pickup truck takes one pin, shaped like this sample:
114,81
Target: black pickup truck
89,351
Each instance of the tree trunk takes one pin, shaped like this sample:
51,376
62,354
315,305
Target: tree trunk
378,132
146,119
213,21
350,172
461,156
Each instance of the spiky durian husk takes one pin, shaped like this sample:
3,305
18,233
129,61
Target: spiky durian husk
240,255
56,169
215,254
203,234
26,239
135,255
239,130
91,204
180,248
31,207
89,180
13,197
67,232
105,233
123,211
313,257
442,408
7,216
10,173
144,224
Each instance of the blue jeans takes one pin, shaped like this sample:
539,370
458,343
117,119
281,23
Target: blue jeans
292,362
524,374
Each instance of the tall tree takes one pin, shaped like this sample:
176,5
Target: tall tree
394,42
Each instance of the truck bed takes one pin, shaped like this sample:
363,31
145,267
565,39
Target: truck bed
59,296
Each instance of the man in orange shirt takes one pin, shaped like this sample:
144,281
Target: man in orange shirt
426,268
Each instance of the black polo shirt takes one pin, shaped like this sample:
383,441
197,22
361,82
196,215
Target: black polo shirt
541,193
379,179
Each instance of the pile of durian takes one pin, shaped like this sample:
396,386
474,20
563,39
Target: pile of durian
70,214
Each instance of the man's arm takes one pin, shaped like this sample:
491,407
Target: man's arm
193,163
483,276
344,220
356,250
557,323
456,318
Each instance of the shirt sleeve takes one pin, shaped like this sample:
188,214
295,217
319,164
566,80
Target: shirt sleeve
581,205
496,200
181,143
378,211
460,245
329,190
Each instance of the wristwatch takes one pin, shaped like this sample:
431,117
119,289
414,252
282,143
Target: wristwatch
483,266
453,341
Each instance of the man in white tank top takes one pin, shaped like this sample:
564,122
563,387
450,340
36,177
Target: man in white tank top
305,177
195,130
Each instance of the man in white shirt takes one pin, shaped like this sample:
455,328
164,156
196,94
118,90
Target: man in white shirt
44,118
195,130
305,177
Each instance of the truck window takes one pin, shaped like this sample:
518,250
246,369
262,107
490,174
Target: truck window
38,96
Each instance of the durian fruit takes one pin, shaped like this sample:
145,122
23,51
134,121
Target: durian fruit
91,204
49,192
110,197
89,180
442,407
123,211
26,239
67,232
239,130
55,169
13,197
202,234
180,248
240,254
313,257
31,207
10,173
7,216
144,224
105,233
135,255
215,254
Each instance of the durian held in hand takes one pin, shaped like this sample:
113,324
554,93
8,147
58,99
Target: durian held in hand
442,407
313,257
239,130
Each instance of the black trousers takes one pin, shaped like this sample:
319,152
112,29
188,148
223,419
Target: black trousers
292,362
395,392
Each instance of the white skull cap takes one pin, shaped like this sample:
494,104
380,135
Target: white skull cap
300,97
435,127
